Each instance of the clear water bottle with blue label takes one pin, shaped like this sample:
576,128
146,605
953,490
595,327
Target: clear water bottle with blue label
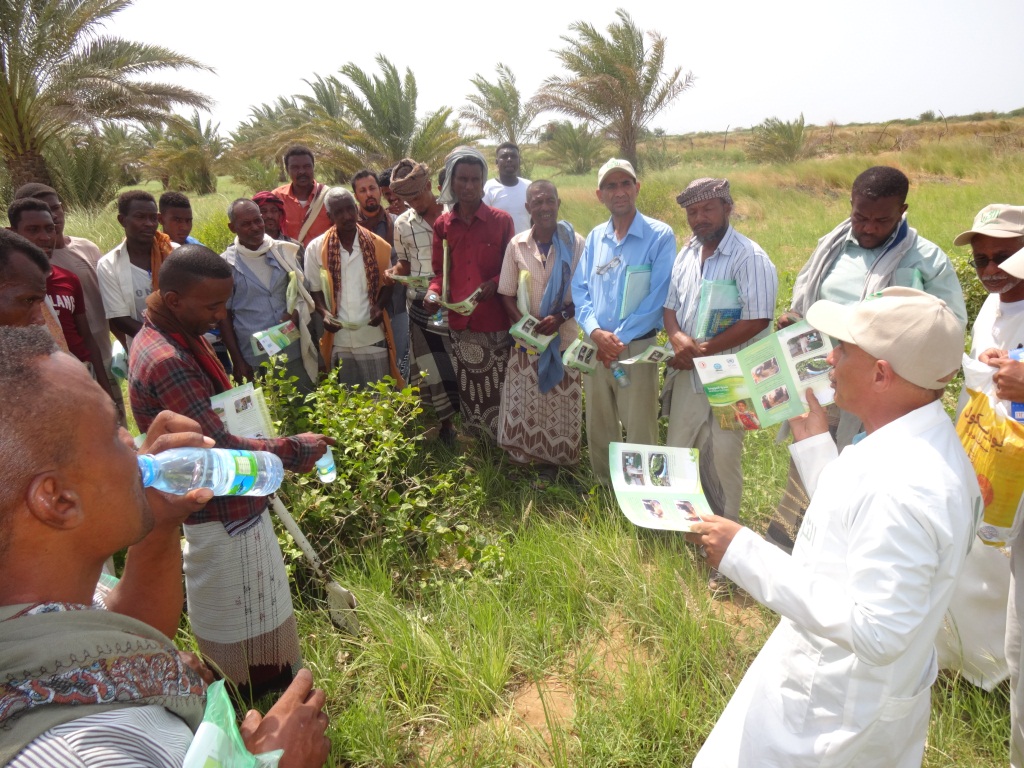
227,472
619,372
1017,409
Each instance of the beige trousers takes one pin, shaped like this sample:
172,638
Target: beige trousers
612,410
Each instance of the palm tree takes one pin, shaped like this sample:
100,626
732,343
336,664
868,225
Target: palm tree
572,149
187,157
616,82
497,109
58,71
385,127
778,141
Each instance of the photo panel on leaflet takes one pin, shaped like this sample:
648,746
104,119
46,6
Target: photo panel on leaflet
805,343
633,468
658,465
688,512
775,398
765,370
812,367
654,507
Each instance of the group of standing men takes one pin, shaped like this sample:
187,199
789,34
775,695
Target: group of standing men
888,523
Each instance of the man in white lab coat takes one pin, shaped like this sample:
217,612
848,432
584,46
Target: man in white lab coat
845,678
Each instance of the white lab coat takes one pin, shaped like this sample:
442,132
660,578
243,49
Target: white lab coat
844,680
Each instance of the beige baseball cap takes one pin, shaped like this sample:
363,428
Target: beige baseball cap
996,220
1014,265
615,164
913,331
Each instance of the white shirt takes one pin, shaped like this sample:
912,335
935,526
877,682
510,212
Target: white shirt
845,678
124,286
352,303
512,200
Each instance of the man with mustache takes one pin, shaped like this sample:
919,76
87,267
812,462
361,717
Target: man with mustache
305,212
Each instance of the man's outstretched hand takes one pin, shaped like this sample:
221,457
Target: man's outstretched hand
297,724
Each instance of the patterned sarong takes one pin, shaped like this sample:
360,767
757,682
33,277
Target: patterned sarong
238,599
480,360
431,368
540,427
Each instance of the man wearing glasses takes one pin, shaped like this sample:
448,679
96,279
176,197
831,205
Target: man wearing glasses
619,288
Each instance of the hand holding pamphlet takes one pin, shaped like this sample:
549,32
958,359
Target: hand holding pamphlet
657,486
417,282
653,354
765,383
581,355
274,339
244,411
525,331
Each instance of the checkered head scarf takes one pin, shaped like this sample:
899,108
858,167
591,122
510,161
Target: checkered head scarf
699,190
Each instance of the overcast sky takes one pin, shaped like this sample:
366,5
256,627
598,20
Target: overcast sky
863,61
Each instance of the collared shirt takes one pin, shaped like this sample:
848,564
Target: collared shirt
512,200
738,259
256,304
598,297
164,376
414,243
352,300
383,225
476,252
925,266
523,254
295,214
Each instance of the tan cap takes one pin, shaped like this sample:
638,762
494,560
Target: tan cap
913,331
996,220
1014,265
615,164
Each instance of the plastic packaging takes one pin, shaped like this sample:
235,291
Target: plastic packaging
226,472
1017,409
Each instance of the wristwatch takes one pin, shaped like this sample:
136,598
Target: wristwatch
566,314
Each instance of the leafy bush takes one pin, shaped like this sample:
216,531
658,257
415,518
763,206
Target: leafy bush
393,494
778,141
574,149
85,172
213,232
255,174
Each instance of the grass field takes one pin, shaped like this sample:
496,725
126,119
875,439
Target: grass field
585,641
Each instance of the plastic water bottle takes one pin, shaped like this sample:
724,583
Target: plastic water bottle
226,472
325,469
1017,409
619,372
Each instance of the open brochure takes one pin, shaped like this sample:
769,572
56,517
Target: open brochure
657,486
765,383
275,338
525,331
581,355
244,411
718,309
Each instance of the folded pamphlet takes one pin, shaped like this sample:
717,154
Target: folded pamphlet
581,355
525,331
418,282
244,411
275,338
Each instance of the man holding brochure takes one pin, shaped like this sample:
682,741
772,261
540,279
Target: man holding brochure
239,603
720,299
468,249
845,677
619,289
269,289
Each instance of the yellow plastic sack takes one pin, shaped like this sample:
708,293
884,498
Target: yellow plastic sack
995,445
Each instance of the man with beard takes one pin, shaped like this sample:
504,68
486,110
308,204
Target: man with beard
430,344
715,254
876,247
239,602
304,198
263,269
346,269
472,238
130,272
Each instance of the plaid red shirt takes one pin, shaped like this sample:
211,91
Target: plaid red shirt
163,376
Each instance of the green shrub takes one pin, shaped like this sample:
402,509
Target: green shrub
411,503
778,141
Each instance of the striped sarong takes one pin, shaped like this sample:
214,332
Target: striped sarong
540,427
239,603
480,360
